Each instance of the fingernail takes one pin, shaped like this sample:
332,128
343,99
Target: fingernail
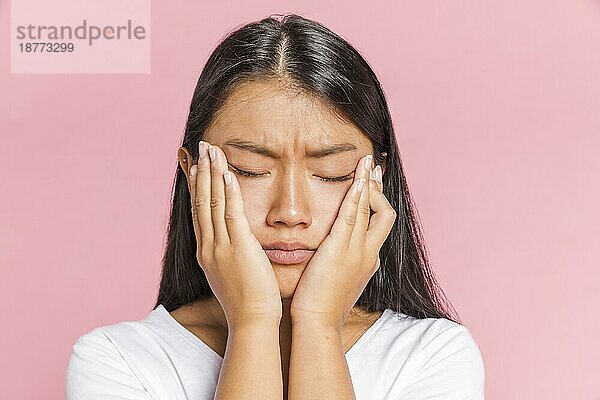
202,150
368,162
211,151
378,173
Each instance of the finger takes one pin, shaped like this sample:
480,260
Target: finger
202,197
382,220
192,189
344,223
235,218
377,174
217,201
363,209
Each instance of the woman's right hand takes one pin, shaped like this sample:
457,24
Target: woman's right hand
235,264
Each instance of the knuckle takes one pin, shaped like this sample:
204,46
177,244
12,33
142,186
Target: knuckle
350,219
215,202
205,255
231,216
216,173
365,209
202,168
200,200
221,251
375,266
201,260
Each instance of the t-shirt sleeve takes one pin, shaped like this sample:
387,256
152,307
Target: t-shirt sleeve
97,371
450,368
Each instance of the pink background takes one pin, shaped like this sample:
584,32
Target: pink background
497,110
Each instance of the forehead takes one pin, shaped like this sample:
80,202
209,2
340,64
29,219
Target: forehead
282,118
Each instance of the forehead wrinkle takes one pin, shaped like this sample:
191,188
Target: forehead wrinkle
259,143
307,107
269,151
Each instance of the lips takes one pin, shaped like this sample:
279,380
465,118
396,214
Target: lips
286,245
290,257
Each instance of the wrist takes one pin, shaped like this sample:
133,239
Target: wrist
260,324
320,323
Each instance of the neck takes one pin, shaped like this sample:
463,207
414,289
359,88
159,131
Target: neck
218,319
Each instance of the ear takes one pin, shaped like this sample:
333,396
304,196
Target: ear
185,161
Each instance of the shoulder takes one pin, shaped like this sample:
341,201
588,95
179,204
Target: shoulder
97,368
109,336
429,334
425,333
436,355
122,339
105,361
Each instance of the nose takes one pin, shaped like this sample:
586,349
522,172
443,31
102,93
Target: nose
289,201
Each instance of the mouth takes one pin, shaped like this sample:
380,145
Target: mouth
289,257
287,245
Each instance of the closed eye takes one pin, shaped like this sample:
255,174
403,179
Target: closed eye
326,179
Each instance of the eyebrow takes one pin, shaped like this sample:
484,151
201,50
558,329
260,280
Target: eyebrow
268,152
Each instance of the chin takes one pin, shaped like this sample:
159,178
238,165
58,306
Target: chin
288,277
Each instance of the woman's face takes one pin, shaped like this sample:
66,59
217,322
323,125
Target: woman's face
288,199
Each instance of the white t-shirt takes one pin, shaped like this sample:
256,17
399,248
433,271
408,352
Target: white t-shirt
399,357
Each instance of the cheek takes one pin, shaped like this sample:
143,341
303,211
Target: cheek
326,205
253,197
257,200
329,196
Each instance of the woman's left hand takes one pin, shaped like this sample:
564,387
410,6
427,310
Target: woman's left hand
348,257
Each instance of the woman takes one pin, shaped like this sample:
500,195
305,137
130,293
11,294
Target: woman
282,276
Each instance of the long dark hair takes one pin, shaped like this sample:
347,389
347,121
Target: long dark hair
320,63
